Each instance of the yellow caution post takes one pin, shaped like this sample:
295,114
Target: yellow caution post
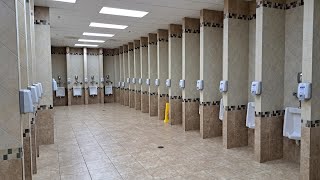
166,116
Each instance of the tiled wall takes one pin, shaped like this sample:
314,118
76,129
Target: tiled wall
109,67
252,50
116,67
93,66
59,65
76,65
152,62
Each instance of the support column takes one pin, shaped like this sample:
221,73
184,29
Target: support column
85,75
270,54
116,85
190,73
152,71
101,86
121,75
11,162
125,75
211,43
162,63
137,74
131,75
175,73
69,75
235,71
144,74
310,154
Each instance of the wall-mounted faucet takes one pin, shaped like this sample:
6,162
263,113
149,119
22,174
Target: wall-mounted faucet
92,80
59,81
108,80
76,78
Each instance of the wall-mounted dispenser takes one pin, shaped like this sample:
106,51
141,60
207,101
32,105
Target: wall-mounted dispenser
133,80
123,84
69,80
223,87
140,81
157,82
101,80
85,80
304,91
256,87
128,80
148,82
119,84
182,83
26,103
200,85
168,82
34,94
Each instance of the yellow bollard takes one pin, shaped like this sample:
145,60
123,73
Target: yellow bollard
166,119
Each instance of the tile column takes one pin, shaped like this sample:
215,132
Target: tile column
125,75
101,86
235,71
11,162
144,74
152,71
69,75
175,73
85,75
116,87
211,43
137,74
190,73
163,70
121,75
269,69
131,75
310,152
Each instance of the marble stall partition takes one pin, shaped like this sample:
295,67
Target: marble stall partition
211,43
122,78
94,71
137,74
45,126
144,74
131,75
11,166
175,73
190,73
163,70
125,75
152,74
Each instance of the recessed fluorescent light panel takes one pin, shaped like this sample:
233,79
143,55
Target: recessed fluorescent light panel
94,41
123,12
67,1
97,34
109,26
86,45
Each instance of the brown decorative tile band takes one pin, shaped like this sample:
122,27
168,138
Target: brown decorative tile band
138,91
137,47
41,22
311,124
235,108
8,154
175,35
130,50
26,133
191,100
153,94
153,43
80,54
144,46
58,53
44,107
162,40
270,113
195,31
284,6
93,54
164,95
175,97
32,121
126,89
240,16
145,92
209,24
214,103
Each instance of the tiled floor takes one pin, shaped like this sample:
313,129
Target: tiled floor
110,141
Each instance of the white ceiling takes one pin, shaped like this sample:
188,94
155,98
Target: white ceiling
69,21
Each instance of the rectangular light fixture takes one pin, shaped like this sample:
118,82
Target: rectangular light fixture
97,34
86,45
123,12
110,26
66,1
93,41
